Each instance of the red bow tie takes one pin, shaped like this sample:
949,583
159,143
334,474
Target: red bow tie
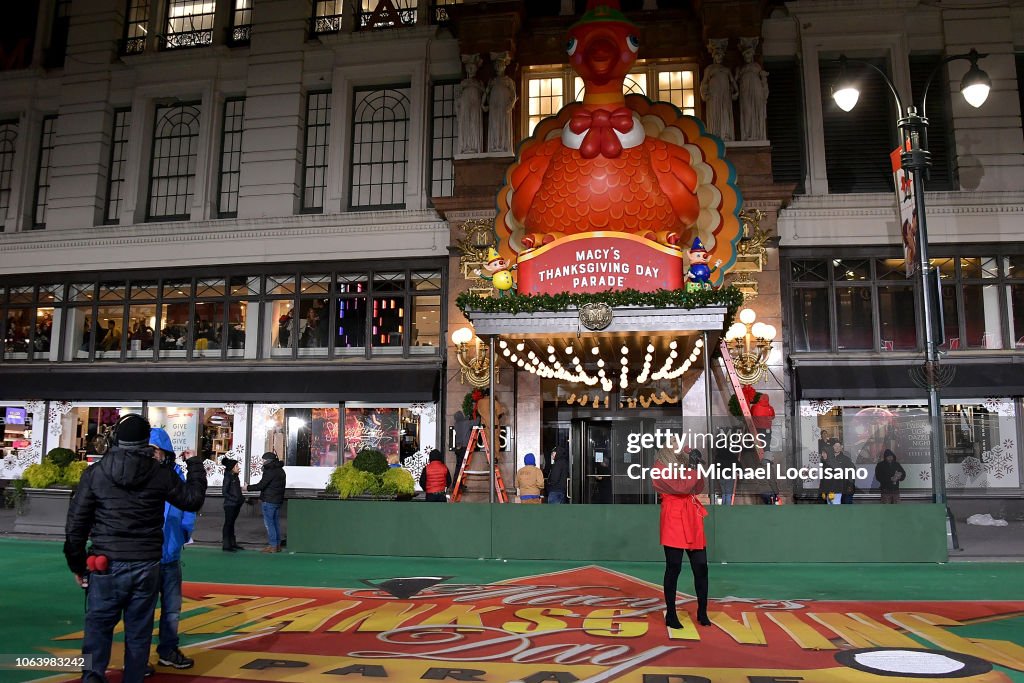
600,126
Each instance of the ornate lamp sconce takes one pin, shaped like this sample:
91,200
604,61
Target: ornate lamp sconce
750,344
474,366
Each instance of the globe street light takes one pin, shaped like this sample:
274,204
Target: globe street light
915,160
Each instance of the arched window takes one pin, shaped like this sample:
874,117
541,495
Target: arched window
173,170
379,148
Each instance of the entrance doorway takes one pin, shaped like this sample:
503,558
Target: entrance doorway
599,458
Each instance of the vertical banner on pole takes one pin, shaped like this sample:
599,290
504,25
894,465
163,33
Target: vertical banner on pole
906,212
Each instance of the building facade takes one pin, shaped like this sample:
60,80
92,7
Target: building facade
245,218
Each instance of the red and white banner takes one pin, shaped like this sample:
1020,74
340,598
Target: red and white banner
598,262
906,210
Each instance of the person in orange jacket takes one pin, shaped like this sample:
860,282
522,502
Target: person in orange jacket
682,530
435,480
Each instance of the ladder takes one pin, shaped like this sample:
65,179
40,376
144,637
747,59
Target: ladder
740,398
499,483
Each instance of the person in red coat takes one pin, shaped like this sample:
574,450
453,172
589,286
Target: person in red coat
682,529
436,479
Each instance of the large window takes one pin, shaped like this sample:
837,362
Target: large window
374,14
58,48
118,168
443,133
30,316
231,157
550,88
8,137
327,16
136,27
978,439
189,23
241,22
318,127
173,169
47,137
869,304
207,316
379,148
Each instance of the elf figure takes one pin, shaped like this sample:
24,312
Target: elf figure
497,270
699,274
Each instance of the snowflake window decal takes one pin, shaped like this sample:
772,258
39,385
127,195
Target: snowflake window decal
813,408
999,405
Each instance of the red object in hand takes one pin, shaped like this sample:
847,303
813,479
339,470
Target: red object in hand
97,563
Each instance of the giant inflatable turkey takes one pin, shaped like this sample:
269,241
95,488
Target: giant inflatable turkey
615,163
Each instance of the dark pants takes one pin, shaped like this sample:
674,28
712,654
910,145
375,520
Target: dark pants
437,497
170,608
699,567
228,532
127,589
556,497
271,520
847,499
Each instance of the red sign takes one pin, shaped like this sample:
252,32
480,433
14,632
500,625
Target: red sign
598,262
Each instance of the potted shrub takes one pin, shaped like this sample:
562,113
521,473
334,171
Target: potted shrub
369,477
48,488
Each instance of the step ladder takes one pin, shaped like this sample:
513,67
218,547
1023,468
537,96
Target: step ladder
499,484
737,388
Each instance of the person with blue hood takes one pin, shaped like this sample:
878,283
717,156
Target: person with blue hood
178,526
530,480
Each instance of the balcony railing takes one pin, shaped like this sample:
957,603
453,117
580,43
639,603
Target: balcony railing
187,39
239,36
329,23
132,46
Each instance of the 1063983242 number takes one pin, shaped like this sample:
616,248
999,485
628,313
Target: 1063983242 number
44,662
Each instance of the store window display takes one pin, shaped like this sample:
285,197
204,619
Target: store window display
88,429
15,429
979,438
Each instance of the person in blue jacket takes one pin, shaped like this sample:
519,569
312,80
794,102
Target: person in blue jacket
178,526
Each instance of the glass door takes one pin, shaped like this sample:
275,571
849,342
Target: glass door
601,461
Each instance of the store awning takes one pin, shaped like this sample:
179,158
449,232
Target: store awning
390,384
864,379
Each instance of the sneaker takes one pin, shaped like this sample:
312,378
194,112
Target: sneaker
177,659
150,671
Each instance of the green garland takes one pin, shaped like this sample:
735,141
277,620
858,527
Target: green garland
730,297
734,403
467,405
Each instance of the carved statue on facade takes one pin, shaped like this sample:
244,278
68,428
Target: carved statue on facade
470,108
718,90
499,99
753,86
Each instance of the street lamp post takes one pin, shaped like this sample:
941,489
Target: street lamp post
915,159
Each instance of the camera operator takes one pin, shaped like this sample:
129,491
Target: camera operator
119,504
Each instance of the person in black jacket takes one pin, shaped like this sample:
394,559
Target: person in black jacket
271,487
233,500
119,504
558,478
889,474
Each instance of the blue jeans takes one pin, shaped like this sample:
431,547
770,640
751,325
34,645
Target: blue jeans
728,486
170,608
129,589
556,498
271,520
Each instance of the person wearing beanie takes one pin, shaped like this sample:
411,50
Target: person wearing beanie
271,487
232,490
435,479
530,481
119,506
178,526
558,478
